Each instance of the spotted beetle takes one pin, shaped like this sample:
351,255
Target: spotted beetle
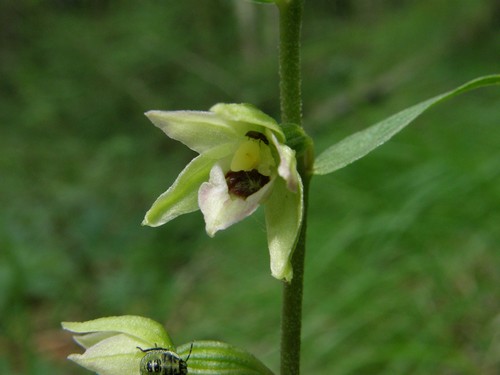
162,361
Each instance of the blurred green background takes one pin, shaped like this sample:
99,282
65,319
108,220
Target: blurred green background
403,261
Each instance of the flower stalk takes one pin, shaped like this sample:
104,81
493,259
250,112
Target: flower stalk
290,12
290,19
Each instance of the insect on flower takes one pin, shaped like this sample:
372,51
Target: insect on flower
163,362
258,136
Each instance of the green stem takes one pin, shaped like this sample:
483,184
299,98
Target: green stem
291,112
291,321
289,60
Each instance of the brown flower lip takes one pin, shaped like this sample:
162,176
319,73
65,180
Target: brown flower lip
245,183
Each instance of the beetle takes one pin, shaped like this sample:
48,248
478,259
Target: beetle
162,361
258,136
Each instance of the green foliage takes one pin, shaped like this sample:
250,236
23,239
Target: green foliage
402,272
361,143
213,357
264,1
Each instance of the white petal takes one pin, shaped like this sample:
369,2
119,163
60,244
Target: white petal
117,355
287,168
222,210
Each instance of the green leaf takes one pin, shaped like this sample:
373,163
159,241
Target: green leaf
214,357
264,1
361,143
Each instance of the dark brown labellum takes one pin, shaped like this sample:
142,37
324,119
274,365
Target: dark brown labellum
258,136
245,183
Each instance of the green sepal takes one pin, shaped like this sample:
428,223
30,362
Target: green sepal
215,357
117,355
245,113
361,143
145,329
284,212
296,138
198,130
182,197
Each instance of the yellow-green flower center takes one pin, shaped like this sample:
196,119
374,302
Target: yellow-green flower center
253,153
251,166
247,157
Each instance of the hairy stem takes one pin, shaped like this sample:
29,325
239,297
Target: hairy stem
291,112
289,60
291,322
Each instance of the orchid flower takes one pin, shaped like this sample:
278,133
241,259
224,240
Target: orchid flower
243,162
111,344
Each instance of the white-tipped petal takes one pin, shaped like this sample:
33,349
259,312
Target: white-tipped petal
287,168
117,355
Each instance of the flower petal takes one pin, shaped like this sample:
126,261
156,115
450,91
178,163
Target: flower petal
198,130
219,208
117,355
288,165
283,212
247,114
144,329
182,197
88,339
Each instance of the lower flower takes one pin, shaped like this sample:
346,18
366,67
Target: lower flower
111,343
